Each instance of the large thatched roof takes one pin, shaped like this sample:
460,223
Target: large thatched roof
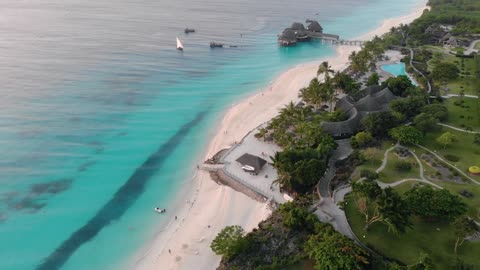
314,26
344,128
297,26
288,35
376,102
253,161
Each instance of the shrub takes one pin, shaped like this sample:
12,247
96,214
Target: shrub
370,175
403,166
452,158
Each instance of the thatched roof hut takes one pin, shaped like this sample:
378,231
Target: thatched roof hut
255,162
376,102
287,37
297,26
314,26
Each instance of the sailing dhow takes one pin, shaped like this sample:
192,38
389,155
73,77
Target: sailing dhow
179,45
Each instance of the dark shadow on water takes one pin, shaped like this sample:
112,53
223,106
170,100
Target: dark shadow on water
121,200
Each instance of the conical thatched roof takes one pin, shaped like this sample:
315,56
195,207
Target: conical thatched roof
314,26
288,35
297,26
376,102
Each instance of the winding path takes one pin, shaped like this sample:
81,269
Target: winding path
429,86
448,163
458,129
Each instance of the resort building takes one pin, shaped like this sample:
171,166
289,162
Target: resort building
375,99
298,33
251,163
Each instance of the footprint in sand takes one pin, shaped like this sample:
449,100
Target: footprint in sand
184,246
178,258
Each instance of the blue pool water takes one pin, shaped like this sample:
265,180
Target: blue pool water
397,69
102,118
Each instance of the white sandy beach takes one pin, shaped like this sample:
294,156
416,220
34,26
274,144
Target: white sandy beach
212,206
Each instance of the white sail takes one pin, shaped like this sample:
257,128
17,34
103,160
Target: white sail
179,44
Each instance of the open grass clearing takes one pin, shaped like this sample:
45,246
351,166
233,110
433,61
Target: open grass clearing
434,238
463,112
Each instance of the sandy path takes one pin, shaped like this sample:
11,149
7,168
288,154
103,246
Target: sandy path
214,206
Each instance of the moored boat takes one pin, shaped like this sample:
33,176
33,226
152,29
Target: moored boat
216,45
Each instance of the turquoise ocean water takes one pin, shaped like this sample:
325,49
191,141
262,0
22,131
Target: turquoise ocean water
102,118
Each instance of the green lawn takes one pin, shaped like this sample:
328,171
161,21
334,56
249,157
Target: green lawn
391,174
477,46
464,115
374,158
464,148
468,84
436,239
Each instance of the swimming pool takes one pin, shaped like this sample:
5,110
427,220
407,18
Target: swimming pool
397,69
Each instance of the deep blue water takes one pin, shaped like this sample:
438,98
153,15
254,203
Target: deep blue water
102,118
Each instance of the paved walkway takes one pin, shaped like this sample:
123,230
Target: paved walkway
458,129
343,150
471,48
418,71
449,164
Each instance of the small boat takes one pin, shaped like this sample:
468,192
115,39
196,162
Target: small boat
179,45
160,210
216,45
189,30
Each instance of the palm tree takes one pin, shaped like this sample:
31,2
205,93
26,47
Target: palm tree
325,69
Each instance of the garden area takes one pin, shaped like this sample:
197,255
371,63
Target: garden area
434,238
463,113
461,151
462,80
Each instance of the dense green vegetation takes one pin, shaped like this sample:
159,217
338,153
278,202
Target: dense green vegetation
292,234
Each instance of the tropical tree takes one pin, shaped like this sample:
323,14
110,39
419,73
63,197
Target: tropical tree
438,111
425,122
444,72
424,263
400,85
361,139
373,79
406,134
385,206
229,242
433,204
346,83
325,69
379,123
331,250
446,139
409,107
464,226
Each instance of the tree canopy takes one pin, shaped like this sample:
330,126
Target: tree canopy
385,206
432,204
464,226
300,169
445,71
334,251
406,134
229,242
446,139
379,123
400,85
425,122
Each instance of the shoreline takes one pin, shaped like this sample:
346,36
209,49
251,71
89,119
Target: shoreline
185,242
